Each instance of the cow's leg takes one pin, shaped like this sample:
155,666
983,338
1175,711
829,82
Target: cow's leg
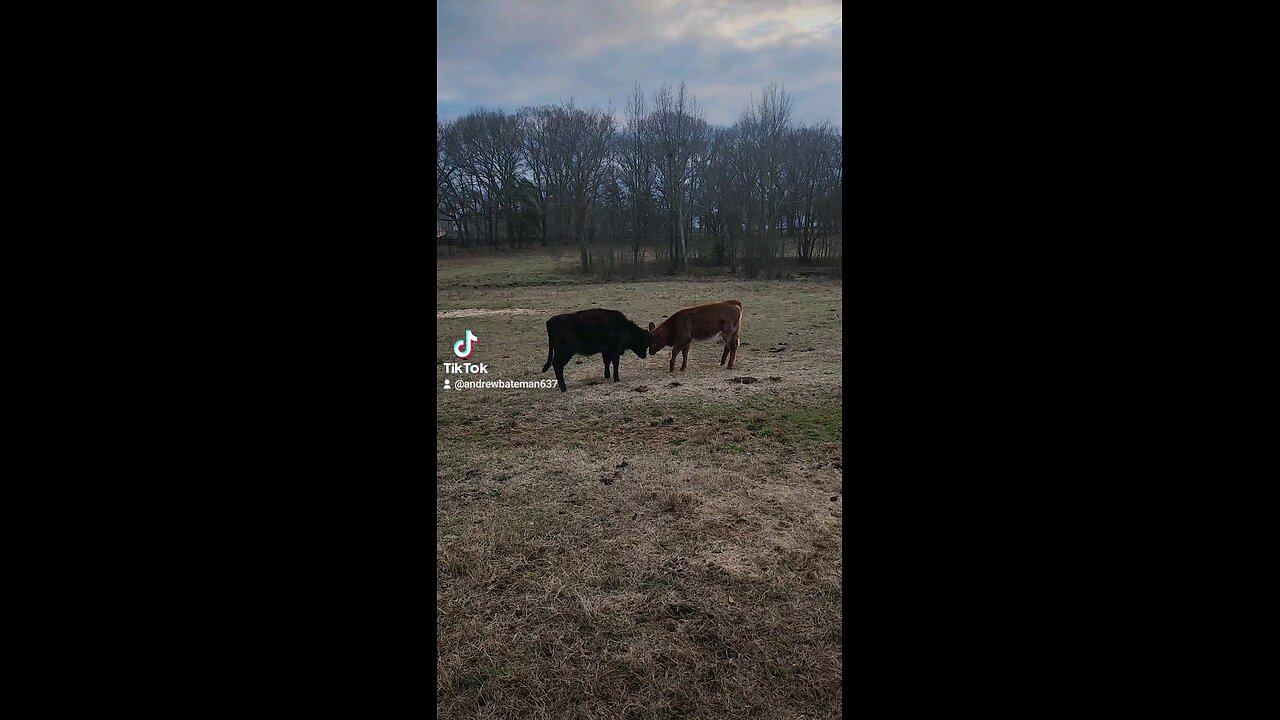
672,366
684,355
616,359
562,359
605,357
730,342
737,338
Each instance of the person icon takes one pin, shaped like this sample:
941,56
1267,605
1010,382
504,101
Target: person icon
446,383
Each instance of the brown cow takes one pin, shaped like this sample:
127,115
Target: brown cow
700,322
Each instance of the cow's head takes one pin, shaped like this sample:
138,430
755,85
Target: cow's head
639,341
658,338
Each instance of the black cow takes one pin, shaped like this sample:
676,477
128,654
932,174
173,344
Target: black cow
588,332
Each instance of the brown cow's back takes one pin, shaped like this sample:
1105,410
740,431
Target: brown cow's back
708,319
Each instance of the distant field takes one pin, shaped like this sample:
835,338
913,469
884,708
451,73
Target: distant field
615,553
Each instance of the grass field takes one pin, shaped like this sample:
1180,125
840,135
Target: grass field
665,546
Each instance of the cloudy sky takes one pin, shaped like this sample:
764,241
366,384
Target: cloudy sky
512,53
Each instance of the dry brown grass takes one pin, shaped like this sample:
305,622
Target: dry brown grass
605,553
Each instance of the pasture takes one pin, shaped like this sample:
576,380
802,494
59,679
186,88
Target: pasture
664,546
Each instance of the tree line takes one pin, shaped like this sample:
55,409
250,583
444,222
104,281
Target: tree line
658,185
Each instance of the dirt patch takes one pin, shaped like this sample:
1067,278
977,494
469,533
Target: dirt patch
478,312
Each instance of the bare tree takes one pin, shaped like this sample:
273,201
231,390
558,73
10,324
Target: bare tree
588,144
538,159
721,196
448,206
764,136
456,188
677,135
637,172
774,114
487,149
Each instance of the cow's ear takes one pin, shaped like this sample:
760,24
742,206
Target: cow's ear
650,327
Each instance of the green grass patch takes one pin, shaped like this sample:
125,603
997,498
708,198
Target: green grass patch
484,674
802,425
820,424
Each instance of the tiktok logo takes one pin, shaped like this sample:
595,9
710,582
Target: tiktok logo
457,347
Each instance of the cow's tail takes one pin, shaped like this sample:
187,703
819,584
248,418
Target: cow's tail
550,353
